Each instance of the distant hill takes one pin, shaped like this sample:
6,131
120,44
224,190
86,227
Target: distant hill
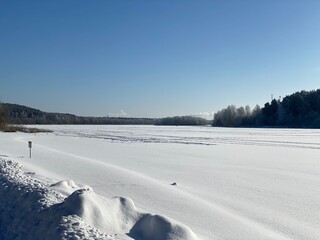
18,114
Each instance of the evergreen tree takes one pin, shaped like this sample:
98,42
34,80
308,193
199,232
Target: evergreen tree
300,109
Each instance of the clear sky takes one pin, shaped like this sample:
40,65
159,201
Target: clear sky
156,58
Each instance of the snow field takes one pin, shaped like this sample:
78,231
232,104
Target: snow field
230,183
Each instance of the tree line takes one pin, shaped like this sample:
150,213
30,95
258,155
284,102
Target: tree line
300,109
183,120
18,114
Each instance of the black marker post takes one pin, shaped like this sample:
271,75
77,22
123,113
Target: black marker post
30,146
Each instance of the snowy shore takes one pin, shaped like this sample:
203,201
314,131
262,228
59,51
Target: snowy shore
31,209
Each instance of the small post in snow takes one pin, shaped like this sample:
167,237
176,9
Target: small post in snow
30,146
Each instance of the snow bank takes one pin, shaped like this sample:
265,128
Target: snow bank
31,209
156,227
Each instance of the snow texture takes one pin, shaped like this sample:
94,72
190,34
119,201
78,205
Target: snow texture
231,184
31,209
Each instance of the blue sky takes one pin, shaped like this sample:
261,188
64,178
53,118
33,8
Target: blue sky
156,58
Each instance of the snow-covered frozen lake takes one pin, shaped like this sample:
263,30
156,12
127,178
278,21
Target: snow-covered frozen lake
230,183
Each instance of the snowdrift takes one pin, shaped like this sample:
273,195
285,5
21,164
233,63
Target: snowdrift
32,209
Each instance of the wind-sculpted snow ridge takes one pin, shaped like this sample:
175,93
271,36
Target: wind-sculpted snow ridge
119,138
31,209
129,135
195,135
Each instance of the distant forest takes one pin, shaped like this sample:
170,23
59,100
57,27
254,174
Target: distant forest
18,114
299,110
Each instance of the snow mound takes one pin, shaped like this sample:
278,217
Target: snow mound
31,209
119,215
108,215
156,227
23,201
64,184
66,187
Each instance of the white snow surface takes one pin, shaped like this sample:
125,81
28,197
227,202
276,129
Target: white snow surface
130,182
